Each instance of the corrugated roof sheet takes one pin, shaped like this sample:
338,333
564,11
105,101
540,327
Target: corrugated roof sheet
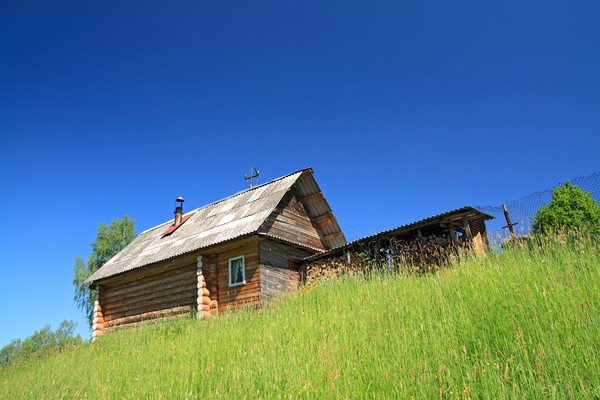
227,219
439,218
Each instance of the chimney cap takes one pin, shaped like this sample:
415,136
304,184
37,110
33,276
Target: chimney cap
179,199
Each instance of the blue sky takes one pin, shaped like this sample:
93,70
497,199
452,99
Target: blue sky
404,110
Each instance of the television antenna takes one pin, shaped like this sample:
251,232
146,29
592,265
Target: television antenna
254,173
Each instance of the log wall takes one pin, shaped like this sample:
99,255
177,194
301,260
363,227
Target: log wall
154,293
247,294
171,289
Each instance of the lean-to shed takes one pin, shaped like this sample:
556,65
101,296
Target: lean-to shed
236,251
420,243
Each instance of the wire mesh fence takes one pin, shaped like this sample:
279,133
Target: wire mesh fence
522,210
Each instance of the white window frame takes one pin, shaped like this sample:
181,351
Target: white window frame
243,282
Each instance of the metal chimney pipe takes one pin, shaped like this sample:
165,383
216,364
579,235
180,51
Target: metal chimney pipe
178,211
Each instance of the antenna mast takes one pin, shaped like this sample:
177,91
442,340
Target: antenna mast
254,173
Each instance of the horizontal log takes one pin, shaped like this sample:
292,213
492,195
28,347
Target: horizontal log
174,300
149,298
150,292
312,241
141,308
332,236
137,324
247,303
250,285
233,298
134,283
291,226
311,198
163,285
148,316
131,283
251,274
184,261
248,258
301,222
115,308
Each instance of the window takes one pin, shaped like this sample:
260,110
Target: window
237,271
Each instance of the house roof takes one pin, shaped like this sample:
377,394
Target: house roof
241,214
449,217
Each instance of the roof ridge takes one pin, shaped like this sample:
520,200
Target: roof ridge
254,188
231,197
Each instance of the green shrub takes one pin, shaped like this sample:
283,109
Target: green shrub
42,342
571,209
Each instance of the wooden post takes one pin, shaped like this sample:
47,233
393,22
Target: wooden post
467,228
98,321
453,237
480,241
509,224
203,298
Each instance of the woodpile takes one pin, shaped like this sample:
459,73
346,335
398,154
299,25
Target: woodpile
423,253
419,253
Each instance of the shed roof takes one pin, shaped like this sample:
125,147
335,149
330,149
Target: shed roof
241,214
452,216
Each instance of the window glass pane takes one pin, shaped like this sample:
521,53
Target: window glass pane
237,271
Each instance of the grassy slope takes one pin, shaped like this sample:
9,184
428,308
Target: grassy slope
520,325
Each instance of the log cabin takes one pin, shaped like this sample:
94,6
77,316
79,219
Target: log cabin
236,251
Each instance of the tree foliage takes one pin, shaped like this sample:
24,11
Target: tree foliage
570,209
42,341
110,239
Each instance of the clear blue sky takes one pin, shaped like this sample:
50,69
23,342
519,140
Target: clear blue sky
404,110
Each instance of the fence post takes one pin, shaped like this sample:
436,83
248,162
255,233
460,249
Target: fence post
509,224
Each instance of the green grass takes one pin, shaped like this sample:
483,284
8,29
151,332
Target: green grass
523,324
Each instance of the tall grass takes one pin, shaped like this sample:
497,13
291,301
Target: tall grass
521,324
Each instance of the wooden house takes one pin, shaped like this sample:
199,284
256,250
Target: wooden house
236,251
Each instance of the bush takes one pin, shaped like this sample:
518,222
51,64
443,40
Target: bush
571,209
42,341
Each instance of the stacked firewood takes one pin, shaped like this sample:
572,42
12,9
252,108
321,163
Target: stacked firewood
419,253
347,264
423,253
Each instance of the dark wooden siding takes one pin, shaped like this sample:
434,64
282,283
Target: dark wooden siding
279,267
291,221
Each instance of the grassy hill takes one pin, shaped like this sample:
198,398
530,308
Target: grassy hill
522,324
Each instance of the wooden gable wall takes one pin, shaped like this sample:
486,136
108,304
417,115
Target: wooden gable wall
291,221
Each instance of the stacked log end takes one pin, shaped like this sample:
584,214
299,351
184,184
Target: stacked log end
98,321
203,302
